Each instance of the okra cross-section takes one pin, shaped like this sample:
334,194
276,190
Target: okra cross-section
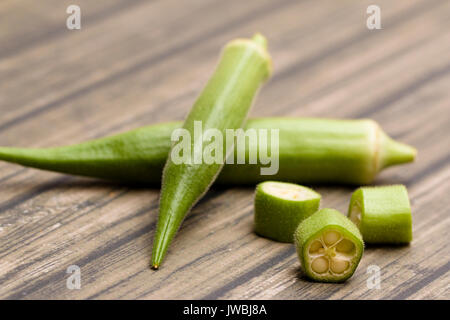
280,207
329,246
382,214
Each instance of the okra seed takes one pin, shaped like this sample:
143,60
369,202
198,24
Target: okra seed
331,252
345,246
320,265
339,265
315,246
331,237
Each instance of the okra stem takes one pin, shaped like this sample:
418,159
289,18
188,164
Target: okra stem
394,152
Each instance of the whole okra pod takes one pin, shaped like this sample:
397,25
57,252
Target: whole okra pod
311,151
224,103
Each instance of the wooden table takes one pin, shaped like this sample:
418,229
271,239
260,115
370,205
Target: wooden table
135,63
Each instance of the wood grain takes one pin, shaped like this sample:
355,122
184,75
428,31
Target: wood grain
135,63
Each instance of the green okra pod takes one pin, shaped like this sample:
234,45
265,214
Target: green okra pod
311,151
223,105
329,246
382,214
280,207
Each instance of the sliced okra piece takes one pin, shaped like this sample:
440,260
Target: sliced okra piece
280,207
382,214
329,246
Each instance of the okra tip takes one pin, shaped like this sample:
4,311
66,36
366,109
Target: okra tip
397,153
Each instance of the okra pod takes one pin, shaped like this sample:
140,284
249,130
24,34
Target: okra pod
280,207
311,151
382,214
329,246
223,105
